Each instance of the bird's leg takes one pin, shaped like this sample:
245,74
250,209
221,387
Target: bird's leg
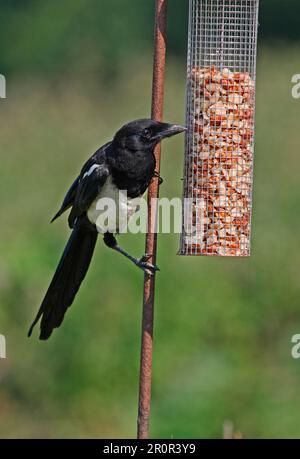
142,263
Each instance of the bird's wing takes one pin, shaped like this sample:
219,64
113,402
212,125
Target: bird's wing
88,188
68,199
97,158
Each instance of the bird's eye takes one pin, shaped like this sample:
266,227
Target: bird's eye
146,134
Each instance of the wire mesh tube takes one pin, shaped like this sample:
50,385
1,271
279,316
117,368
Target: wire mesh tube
218,171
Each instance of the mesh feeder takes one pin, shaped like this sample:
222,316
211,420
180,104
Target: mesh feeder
218,170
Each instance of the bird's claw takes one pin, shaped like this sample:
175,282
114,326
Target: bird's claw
160,180
149,268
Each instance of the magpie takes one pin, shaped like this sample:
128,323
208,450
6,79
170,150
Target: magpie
125,164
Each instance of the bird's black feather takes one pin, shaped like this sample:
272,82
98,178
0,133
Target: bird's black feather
87,190
68,200
67,278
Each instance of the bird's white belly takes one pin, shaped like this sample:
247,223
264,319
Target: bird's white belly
112,209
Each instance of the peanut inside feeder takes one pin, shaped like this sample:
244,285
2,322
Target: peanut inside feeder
218,172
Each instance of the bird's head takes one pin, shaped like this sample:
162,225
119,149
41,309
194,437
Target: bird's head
144,134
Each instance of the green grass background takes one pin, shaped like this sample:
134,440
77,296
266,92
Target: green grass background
222,326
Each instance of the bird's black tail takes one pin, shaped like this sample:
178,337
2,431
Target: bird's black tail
66,281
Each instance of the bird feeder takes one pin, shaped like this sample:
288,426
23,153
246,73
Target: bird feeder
218,170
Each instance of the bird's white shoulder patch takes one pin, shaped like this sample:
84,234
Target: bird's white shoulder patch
91,170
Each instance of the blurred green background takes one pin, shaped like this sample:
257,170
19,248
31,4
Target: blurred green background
77,70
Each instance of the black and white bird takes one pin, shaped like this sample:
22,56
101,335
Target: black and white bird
126,163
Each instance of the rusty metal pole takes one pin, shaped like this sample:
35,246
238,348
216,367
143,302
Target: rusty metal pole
160,32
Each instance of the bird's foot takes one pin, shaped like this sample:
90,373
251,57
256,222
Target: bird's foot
149,268
160,180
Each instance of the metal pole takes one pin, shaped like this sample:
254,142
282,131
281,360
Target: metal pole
151,238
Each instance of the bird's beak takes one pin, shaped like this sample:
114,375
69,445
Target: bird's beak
168,130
